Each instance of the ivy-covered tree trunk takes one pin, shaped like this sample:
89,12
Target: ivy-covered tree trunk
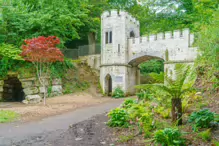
177,111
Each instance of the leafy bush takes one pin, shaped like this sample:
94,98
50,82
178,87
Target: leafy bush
169,137
205,135
165,113
128,103
144,95
9,51
118,93
136,111
201,119
118,118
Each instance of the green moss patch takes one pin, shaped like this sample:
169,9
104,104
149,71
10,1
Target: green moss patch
8,116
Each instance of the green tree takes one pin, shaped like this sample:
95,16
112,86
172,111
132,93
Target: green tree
156,66
28,19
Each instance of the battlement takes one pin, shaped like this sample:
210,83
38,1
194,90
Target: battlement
177,34
115,13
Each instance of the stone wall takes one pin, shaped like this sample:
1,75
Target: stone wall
32,89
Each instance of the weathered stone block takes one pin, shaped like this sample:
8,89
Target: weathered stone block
31,90
27,84
56,82
57,88
28,79
42,89
38,84
33,99
41,95
1,89
1,83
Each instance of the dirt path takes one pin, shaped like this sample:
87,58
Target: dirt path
22,133
55,106
92,132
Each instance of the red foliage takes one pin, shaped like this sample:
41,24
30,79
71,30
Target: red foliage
42,49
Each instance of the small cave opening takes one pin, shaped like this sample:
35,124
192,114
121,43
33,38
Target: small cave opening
13,91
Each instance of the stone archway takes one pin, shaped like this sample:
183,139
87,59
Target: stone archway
12,90
132,34
108,85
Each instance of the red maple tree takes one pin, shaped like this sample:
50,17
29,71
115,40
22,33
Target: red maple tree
42,52
42,49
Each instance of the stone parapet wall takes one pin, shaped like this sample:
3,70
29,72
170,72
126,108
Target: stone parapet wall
31,88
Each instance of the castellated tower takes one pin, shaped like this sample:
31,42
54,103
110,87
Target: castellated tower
116,28
123,50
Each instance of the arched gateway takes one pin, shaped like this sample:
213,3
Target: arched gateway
123,50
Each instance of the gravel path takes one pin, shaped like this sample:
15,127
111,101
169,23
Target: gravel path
55,130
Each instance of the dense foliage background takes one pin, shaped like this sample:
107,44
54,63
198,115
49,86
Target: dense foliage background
76,21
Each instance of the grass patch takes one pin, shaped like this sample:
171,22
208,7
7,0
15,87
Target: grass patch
8,116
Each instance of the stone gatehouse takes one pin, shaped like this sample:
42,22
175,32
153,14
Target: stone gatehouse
123,49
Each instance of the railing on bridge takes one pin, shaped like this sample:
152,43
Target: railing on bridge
81,51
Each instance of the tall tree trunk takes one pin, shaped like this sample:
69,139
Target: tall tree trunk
177,111
92,43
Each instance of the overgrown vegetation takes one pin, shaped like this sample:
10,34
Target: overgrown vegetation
174,88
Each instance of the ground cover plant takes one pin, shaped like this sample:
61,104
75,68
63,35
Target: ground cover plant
202,119
169,137
8,116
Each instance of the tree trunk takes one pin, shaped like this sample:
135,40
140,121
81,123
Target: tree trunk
92,43
177,111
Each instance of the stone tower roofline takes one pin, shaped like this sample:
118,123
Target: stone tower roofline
169,35
119,13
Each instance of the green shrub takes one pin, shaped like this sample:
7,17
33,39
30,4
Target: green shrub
169,137
144,95
165,113
201,119
9,51
128,103
118,118
118,93
7,116
136,111
205,135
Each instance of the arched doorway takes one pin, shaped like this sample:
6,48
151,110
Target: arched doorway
108,85
132,34
13,90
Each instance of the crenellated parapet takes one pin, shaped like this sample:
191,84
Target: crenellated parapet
118,13
184,35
